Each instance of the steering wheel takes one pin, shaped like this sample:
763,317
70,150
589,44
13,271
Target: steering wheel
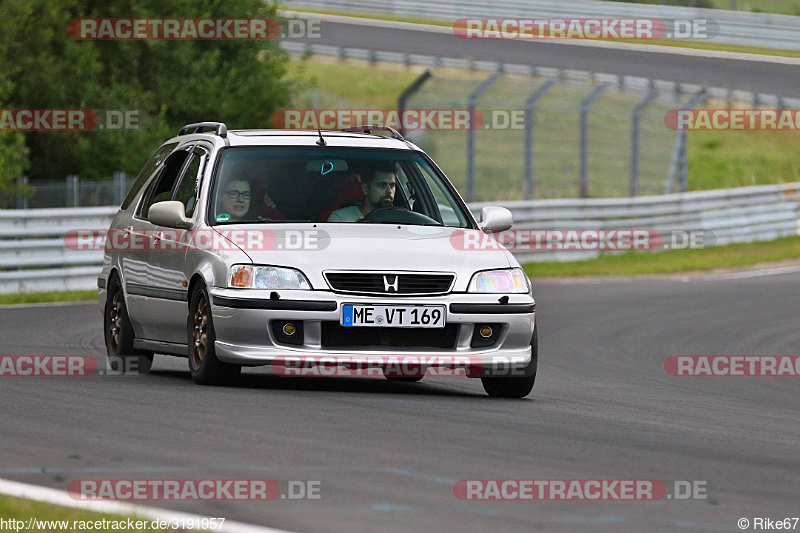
398,215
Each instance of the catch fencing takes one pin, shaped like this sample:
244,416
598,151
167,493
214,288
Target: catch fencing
548,132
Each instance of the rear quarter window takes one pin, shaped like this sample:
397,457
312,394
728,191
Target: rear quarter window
152,164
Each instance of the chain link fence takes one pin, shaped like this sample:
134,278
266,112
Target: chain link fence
69,192
537,143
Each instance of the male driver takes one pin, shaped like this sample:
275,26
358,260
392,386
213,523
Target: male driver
378,183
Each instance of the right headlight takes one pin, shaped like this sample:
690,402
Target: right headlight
267,277
506,281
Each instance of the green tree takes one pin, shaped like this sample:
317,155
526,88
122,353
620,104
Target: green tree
169,83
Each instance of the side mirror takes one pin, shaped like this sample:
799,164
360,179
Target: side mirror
169,215
494,219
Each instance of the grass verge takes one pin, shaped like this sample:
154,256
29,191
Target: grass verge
635,263
24,510
48,297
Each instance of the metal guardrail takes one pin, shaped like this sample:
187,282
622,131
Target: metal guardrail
33,255
746,214
735,27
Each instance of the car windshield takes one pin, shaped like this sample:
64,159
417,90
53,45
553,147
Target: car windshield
322,185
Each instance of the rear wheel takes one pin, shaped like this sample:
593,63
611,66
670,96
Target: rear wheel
206,369
122,356
517,386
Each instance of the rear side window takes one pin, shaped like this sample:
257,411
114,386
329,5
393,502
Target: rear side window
163,184
188,190
152,164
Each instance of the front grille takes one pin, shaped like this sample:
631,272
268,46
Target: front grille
390,283
337,336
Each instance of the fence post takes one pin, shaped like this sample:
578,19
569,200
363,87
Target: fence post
73,191
530,103
637,115
585,105
402,100
472,101
119,187
22,199
680,163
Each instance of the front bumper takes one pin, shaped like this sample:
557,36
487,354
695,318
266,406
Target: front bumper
243,324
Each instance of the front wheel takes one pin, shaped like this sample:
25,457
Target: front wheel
206,369
517,386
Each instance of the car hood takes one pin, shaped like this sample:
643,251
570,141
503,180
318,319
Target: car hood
315,248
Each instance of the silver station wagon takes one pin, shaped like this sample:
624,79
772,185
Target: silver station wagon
313,253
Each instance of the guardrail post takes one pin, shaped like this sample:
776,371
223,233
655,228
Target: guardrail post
73,191
22,199
635,134
530,103
402,100
585,105
472,102
119,187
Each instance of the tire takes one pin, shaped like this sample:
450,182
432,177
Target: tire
206,369
515,387
119,336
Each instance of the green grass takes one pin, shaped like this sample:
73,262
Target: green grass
47,297
792,8
735,159
350,83
633,263
24,510
717,160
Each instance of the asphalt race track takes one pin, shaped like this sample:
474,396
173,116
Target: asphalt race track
757,76
388,454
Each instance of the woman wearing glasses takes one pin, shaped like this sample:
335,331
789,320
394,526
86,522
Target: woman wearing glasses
233,201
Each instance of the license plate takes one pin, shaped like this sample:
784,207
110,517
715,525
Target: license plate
393,316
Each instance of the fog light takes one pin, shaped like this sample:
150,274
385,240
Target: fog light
289,329
485,335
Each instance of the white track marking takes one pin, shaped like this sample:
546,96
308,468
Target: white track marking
62,499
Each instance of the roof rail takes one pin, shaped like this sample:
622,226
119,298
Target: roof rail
369,128
219,128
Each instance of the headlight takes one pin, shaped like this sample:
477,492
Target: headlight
512,280
267,277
